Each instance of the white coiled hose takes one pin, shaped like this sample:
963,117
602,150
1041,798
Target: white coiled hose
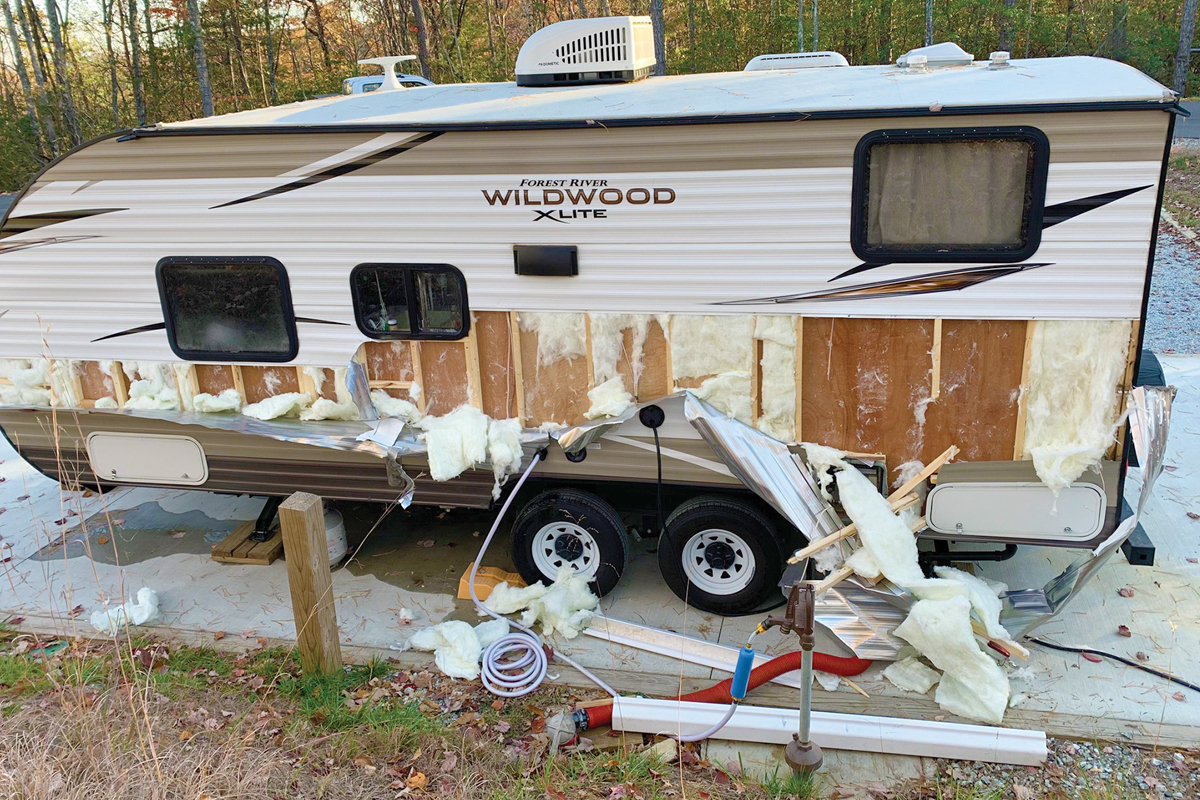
516,664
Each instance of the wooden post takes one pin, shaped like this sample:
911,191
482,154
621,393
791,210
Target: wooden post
302,523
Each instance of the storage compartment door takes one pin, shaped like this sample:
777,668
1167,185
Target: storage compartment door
147,458
1016,512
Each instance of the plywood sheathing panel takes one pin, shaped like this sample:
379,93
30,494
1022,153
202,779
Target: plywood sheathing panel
655,380
94,383
214,378
388,361
863,379
264,382
554,392
981,363
444,376
497,378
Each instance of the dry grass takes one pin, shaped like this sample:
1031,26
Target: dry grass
1181,195
133,721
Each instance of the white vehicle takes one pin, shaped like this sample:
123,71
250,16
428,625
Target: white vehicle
883,259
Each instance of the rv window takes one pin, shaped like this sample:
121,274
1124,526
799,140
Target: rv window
228,309
949,195
410,301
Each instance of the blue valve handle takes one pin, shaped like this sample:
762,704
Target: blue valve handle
741,674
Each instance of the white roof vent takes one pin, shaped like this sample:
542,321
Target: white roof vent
604,50
944,54
824,58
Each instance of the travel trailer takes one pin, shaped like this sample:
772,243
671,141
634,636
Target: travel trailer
888,260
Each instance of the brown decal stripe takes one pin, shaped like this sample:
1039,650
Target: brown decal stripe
930,283
15,225
337,171
157,326
12,247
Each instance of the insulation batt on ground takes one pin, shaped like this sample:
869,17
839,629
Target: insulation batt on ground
565,607
911,675
972,684
985,601
139,611
456,646
1075,369
560,335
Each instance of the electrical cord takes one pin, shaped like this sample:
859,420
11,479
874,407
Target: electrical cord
516,664
1165,676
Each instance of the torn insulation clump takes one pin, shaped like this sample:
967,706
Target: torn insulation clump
560,335
151,386
457,646
30,383
466,437
565,607
205,403
911,675
609,399
608,343
287,405
777,371
1075,370
389,406
343,408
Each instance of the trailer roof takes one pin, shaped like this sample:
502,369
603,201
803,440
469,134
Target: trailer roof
826,91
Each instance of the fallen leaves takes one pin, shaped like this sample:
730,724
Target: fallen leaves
1123,630
1180,697
1140,656
1092,657
1125,591
1193,515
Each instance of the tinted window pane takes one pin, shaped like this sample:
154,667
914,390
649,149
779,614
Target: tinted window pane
439,302
382,300
949,195
227,308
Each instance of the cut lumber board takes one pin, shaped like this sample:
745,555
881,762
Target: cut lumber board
239,548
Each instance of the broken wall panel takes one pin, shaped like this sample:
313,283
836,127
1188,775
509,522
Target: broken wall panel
93,381
554,392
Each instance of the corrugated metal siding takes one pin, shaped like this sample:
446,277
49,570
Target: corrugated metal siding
730,234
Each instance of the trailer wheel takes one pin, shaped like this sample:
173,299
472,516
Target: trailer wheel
567,527
721,555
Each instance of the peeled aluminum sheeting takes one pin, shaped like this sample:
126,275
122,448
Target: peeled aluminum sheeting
766,466
864,617
360,391
576,438
1149,424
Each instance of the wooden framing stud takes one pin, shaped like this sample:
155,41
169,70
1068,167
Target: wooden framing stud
120,384
670,360
587,339
1123,391
514,339
756,354
474,392
302,523
1023,396
305,384
238,383
414,349
797,430
935,354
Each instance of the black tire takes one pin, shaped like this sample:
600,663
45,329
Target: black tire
584,509
744,522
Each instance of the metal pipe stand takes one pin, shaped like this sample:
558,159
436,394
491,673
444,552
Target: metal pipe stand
802,754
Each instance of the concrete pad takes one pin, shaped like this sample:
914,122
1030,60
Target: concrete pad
851,772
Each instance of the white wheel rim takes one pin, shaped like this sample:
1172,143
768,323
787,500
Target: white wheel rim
565,544
718,562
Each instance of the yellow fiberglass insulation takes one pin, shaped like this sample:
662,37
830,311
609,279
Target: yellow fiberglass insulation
1075,370
777,369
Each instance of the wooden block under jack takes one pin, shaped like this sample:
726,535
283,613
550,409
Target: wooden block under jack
239,548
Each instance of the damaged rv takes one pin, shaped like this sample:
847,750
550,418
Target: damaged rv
334,295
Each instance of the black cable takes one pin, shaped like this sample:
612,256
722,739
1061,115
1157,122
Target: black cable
1066,649
658,452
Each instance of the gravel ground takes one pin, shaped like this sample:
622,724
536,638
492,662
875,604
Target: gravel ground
1173,319
1074,770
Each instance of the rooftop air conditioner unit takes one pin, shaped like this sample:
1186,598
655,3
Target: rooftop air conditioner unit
579,51
769,61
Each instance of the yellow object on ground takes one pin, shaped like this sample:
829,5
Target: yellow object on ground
485,580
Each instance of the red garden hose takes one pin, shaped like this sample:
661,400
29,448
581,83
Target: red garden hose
602,715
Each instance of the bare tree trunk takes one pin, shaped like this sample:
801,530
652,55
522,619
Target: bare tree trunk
692,30
114,89
151,53
800,26
60,70
23,74
272,67
1183,56
816,29
135,66
1070,26
418,11
582,10
239,50
206,101
39,77
928,22
660,54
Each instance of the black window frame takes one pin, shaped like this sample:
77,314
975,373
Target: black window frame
414,315
289,314
1035,192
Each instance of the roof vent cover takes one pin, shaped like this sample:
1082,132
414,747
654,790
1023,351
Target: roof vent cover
943,54
581,51
821,58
